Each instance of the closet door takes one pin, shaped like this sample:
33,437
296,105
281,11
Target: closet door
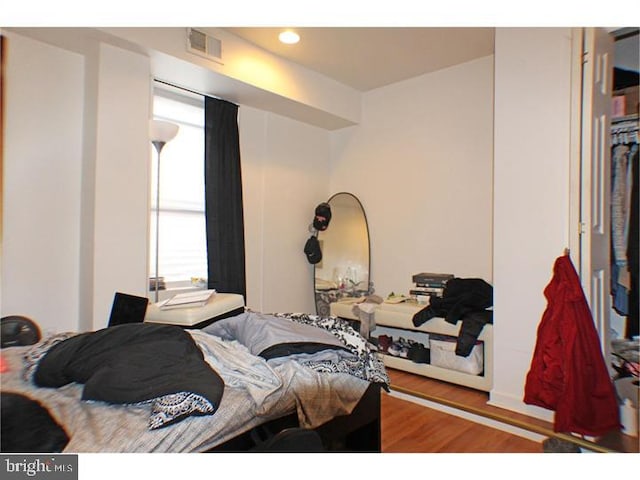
598,48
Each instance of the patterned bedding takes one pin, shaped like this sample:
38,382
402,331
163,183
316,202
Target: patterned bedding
318,385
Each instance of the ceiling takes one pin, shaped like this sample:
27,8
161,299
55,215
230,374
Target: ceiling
370,57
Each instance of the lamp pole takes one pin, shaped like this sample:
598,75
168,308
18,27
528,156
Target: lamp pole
158,145
160,132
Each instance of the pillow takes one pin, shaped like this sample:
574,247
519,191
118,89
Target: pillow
261,333
174,407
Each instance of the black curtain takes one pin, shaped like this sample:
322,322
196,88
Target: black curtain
223,198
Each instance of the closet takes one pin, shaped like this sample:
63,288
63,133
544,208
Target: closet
624,185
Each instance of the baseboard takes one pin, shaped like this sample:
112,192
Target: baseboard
472,417
514,404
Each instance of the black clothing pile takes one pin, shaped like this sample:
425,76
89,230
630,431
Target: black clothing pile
465,299
131,363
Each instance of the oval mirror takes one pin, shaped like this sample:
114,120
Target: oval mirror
344,268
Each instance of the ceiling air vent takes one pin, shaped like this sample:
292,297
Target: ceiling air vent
204,45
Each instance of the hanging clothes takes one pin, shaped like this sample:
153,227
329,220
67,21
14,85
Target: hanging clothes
568,373
633,319
620,208
624,221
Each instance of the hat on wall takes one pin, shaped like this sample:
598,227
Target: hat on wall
312,250
323,217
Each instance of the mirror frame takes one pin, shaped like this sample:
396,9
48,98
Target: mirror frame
369,287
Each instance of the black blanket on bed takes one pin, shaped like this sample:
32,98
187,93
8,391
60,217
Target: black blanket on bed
131,363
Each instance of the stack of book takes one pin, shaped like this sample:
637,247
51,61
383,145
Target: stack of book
427,285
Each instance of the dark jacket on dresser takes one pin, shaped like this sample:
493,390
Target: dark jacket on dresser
463,299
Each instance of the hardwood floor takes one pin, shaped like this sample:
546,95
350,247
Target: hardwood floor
410,427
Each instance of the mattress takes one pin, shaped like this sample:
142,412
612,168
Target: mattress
220,305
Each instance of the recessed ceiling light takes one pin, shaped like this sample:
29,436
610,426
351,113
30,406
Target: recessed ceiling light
289,37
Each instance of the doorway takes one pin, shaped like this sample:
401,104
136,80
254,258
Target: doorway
624,168
602,53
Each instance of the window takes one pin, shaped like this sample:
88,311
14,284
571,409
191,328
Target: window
182,238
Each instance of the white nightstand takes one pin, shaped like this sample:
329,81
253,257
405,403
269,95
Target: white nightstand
221,305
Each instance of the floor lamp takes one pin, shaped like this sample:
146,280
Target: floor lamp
160,133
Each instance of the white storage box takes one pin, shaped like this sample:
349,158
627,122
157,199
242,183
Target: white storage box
220,305
443,354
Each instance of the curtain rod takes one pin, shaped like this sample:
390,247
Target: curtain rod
194,91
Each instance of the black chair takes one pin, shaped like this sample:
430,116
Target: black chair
18,331
127,308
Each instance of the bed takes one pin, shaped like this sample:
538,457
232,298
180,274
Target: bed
131,388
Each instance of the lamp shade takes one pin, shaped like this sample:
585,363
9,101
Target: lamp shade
161,131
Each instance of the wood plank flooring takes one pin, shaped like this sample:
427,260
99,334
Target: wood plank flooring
409,427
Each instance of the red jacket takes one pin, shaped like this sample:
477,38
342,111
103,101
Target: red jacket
568,373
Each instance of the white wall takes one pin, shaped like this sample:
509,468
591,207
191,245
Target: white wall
42,172
421,164
285,174
531,185
76,201
123,154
